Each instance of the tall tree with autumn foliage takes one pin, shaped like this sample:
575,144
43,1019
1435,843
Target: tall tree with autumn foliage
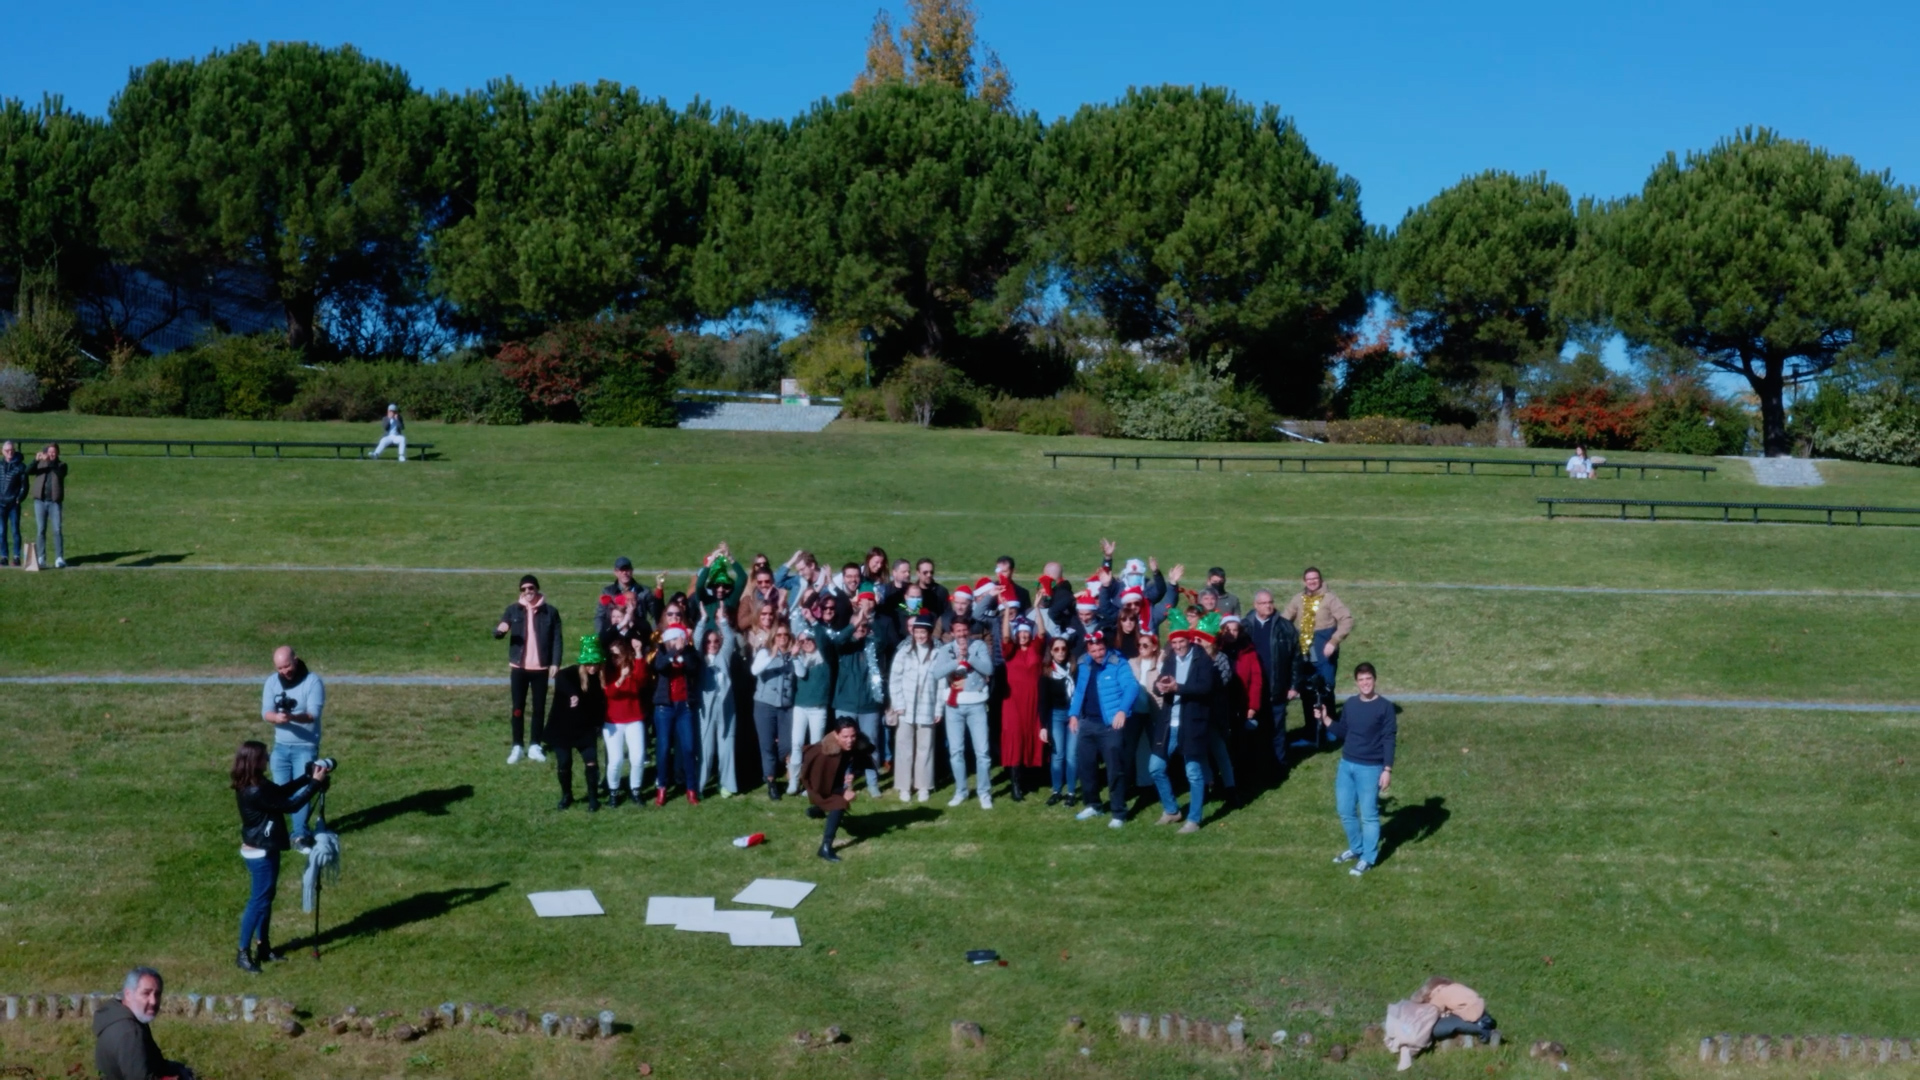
938,47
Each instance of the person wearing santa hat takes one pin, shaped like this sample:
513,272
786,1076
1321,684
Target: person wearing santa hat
959,609
676,672
1023,738
1186,685
1103,695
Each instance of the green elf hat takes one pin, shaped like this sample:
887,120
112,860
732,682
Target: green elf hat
1202,631
590,650
867,593
1208,629
718,574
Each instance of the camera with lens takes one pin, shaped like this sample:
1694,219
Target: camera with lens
283,702
326,763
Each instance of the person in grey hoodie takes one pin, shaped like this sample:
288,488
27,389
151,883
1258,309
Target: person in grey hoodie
964,670
123,1046
714,709
773,684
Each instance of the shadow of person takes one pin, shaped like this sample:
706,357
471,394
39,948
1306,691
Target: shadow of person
159,560
103,557
1411,824
432,803
420,907
861,828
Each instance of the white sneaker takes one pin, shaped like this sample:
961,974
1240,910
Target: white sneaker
986,800
958,797
1116,823
1087,813
536,753
513,756
1345,857
1360,868
793,787
905,795
59,564
923,796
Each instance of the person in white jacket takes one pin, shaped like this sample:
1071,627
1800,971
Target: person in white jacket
914,695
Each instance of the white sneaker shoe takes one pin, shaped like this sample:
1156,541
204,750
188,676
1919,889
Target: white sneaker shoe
793,787
536,753
1117,823
958,797
59,564
986,800
1345,857
513,756
905,795
1087,813
923,796
1360,868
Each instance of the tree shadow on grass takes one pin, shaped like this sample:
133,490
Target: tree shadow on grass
432,803
420,907
1412,823
864,827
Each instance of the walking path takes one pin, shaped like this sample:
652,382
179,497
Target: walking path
1239,584
1408,698
743,416
1785,472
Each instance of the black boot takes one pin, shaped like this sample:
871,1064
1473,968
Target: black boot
773,790
613,798
565,802
263,954
826,838
1013,781
1054,799
245,963
825,852
593,804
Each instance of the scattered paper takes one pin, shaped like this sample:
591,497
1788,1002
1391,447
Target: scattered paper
672,910
782,931
554,905
724,922
775,892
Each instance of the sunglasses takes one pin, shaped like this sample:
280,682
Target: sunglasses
528,588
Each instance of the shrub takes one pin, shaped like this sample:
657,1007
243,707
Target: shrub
1882,427
922,388
751,360
1402,389
19,389
1685,419
462,388
863,404
253,373
1188,409
560,372
830,361
1002,413
1378,431
1045,416
1595,417
1089,415
43,339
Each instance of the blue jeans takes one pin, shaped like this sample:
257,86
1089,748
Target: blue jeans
1222,759
1066,751
1356,794
1196,786
673,726
1318,655
969,722
873,729
44,512
265,875
288,761
12,540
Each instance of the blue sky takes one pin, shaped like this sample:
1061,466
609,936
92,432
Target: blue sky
1406,97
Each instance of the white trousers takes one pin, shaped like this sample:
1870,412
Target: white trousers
625,742
809,727
399,441
913,757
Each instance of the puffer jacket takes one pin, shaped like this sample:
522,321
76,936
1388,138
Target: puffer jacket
912,687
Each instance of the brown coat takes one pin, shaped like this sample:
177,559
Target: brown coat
1331,613
824,768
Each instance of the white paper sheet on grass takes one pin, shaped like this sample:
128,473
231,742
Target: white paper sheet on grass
672,910
554,905
724,922
782,931
775,892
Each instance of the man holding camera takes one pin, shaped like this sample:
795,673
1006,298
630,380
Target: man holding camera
291,701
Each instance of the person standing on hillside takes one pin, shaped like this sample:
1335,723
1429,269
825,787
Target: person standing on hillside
626,730
532,629
1366,769
393,432
13,491
578,719
1224,602
1275,644
1321,622
49,477
913,700
965,669
1023,733
864,651
1103,697
292,700
626,606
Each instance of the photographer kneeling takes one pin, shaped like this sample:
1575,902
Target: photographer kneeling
263,836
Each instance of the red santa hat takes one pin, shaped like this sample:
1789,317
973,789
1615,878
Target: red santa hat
1133,594
1086,601
986,586
962,593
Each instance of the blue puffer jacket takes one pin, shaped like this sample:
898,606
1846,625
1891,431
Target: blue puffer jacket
1114,682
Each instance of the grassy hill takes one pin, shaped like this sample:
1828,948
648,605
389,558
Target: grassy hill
1623,880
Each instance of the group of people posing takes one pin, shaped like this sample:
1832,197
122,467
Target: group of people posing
1097,685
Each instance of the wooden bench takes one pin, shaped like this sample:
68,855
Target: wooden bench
1367,461
1726,509
194,446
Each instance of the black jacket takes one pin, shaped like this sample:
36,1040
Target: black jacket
123,1047
13,479
1277,643
644,599
1196,700
263,811
664,669
575,725
546,627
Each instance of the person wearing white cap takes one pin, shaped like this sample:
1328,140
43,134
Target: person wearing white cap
393,433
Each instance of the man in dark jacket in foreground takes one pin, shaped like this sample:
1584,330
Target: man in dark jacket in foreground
123,1042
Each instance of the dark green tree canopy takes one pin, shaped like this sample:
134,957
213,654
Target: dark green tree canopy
1474,271
905,208
1204,227
1765,257
578,200
301,162
49,158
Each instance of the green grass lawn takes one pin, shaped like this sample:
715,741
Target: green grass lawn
1687,871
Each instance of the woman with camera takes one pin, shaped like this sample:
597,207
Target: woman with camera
263,836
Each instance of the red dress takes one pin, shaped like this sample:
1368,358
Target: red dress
1020,714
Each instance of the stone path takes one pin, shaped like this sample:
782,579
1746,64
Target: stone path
744,416
1407,697
1785,472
